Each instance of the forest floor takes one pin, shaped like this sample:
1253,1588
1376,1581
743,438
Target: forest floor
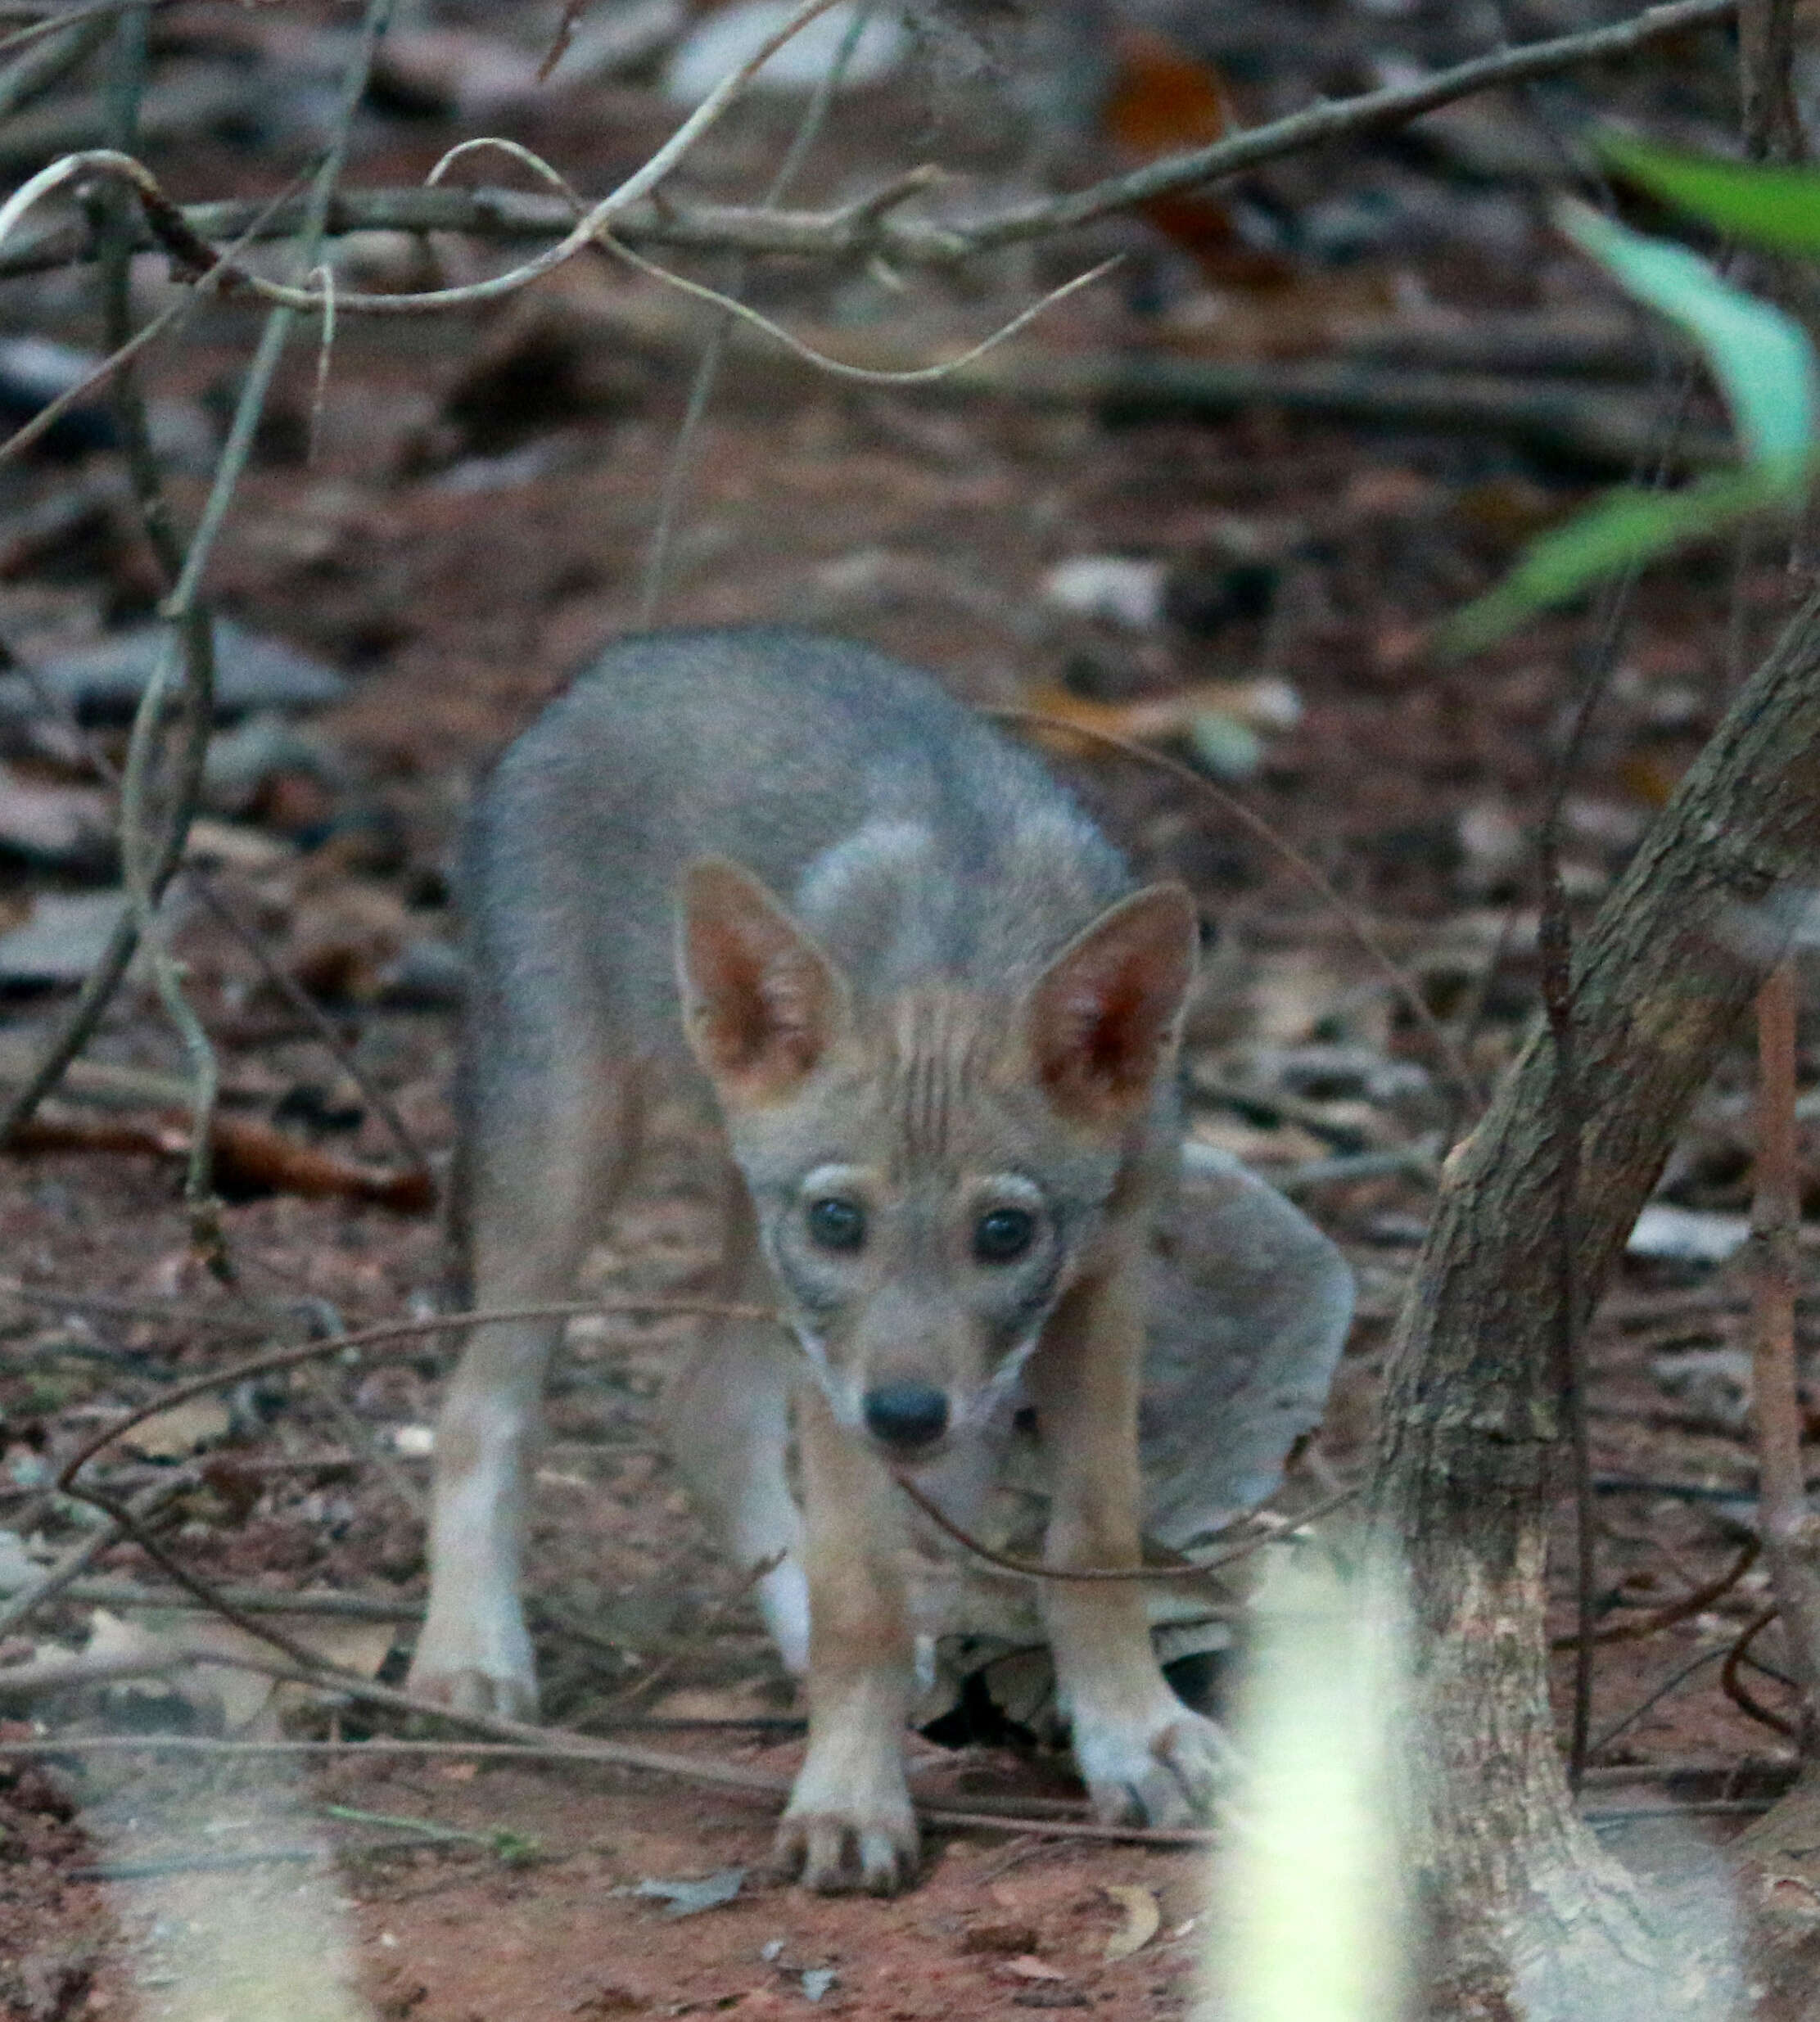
467,515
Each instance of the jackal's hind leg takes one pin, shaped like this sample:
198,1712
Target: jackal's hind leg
729,1420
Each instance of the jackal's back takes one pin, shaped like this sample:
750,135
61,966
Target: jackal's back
910,837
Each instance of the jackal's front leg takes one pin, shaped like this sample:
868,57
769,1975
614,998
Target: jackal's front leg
1143,1754
849,1824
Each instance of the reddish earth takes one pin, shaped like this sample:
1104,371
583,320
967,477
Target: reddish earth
456,572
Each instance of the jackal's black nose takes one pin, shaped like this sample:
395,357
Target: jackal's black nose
906,1415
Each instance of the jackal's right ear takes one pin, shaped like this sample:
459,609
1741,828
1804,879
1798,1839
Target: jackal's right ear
760,1001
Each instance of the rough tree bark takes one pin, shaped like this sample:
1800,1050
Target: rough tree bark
1528,1915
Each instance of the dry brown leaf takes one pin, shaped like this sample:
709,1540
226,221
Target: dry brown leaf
1029,1967
1165,99
248,1157
1143,1920
1264,704
184,1429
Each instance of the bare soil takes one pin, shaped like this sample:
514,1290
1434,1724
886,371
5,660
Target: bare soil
456,569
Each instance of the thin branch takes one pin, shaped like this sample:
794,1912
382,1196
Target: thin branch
854,230
1654,1620
79,1744
731,309
1407,990
168,321
533,1741
1734,1687
72,1299
385,1335
1556,948
155,868
321,1024
1675,1680
76,1561
202,882
52,60
1771,118
183,609
140,866
58,20
1145,1575
678,468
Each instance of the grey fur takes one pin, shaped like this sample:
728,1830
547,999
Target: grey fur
906,835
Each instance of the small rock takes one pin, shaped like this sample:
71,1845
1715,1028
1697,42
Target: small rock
1118,590
103,682
56,827
430,975
36,371
1494,846
62,940
1685,1235
720,43
1712,1385
242,761
690,1897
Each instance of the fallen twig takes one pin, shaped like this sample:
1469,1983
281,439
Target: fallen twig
1407,990
389,1333
119,1594
247,1156
1036,1569
1001,1816
783,1725
196,1863
1690,1604
1734,1687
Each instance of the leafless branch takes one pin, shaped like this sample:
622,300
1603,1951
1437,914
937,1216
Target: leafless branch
849,232
391,1331
1271,1529
534,1742
1407,990
82,1555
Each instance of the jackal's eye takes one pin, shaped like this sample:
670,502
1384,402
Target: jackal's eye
837,1225
1002,1236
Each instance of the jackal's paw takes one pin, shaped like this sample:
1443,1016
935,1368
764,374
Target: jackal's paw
475,1663
1162,1769
464,1690
474,1656
841,1850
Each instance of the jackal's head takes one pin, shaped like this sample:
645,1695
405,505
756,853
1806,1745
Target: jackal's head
931,1168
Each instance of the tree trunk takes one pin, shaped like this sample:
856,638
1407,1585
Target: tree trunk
1528,1914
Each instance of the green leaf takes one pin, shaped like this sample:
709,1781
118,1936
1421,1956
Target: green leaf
1765,364
1764,202
1627,527
1761,357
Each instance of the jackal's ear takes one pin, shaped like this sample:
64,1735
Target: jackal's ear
1101,1019
760,1000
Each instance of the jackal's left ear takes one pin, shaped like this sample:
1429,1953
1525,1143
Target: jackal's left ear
1101,1017
760,1001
